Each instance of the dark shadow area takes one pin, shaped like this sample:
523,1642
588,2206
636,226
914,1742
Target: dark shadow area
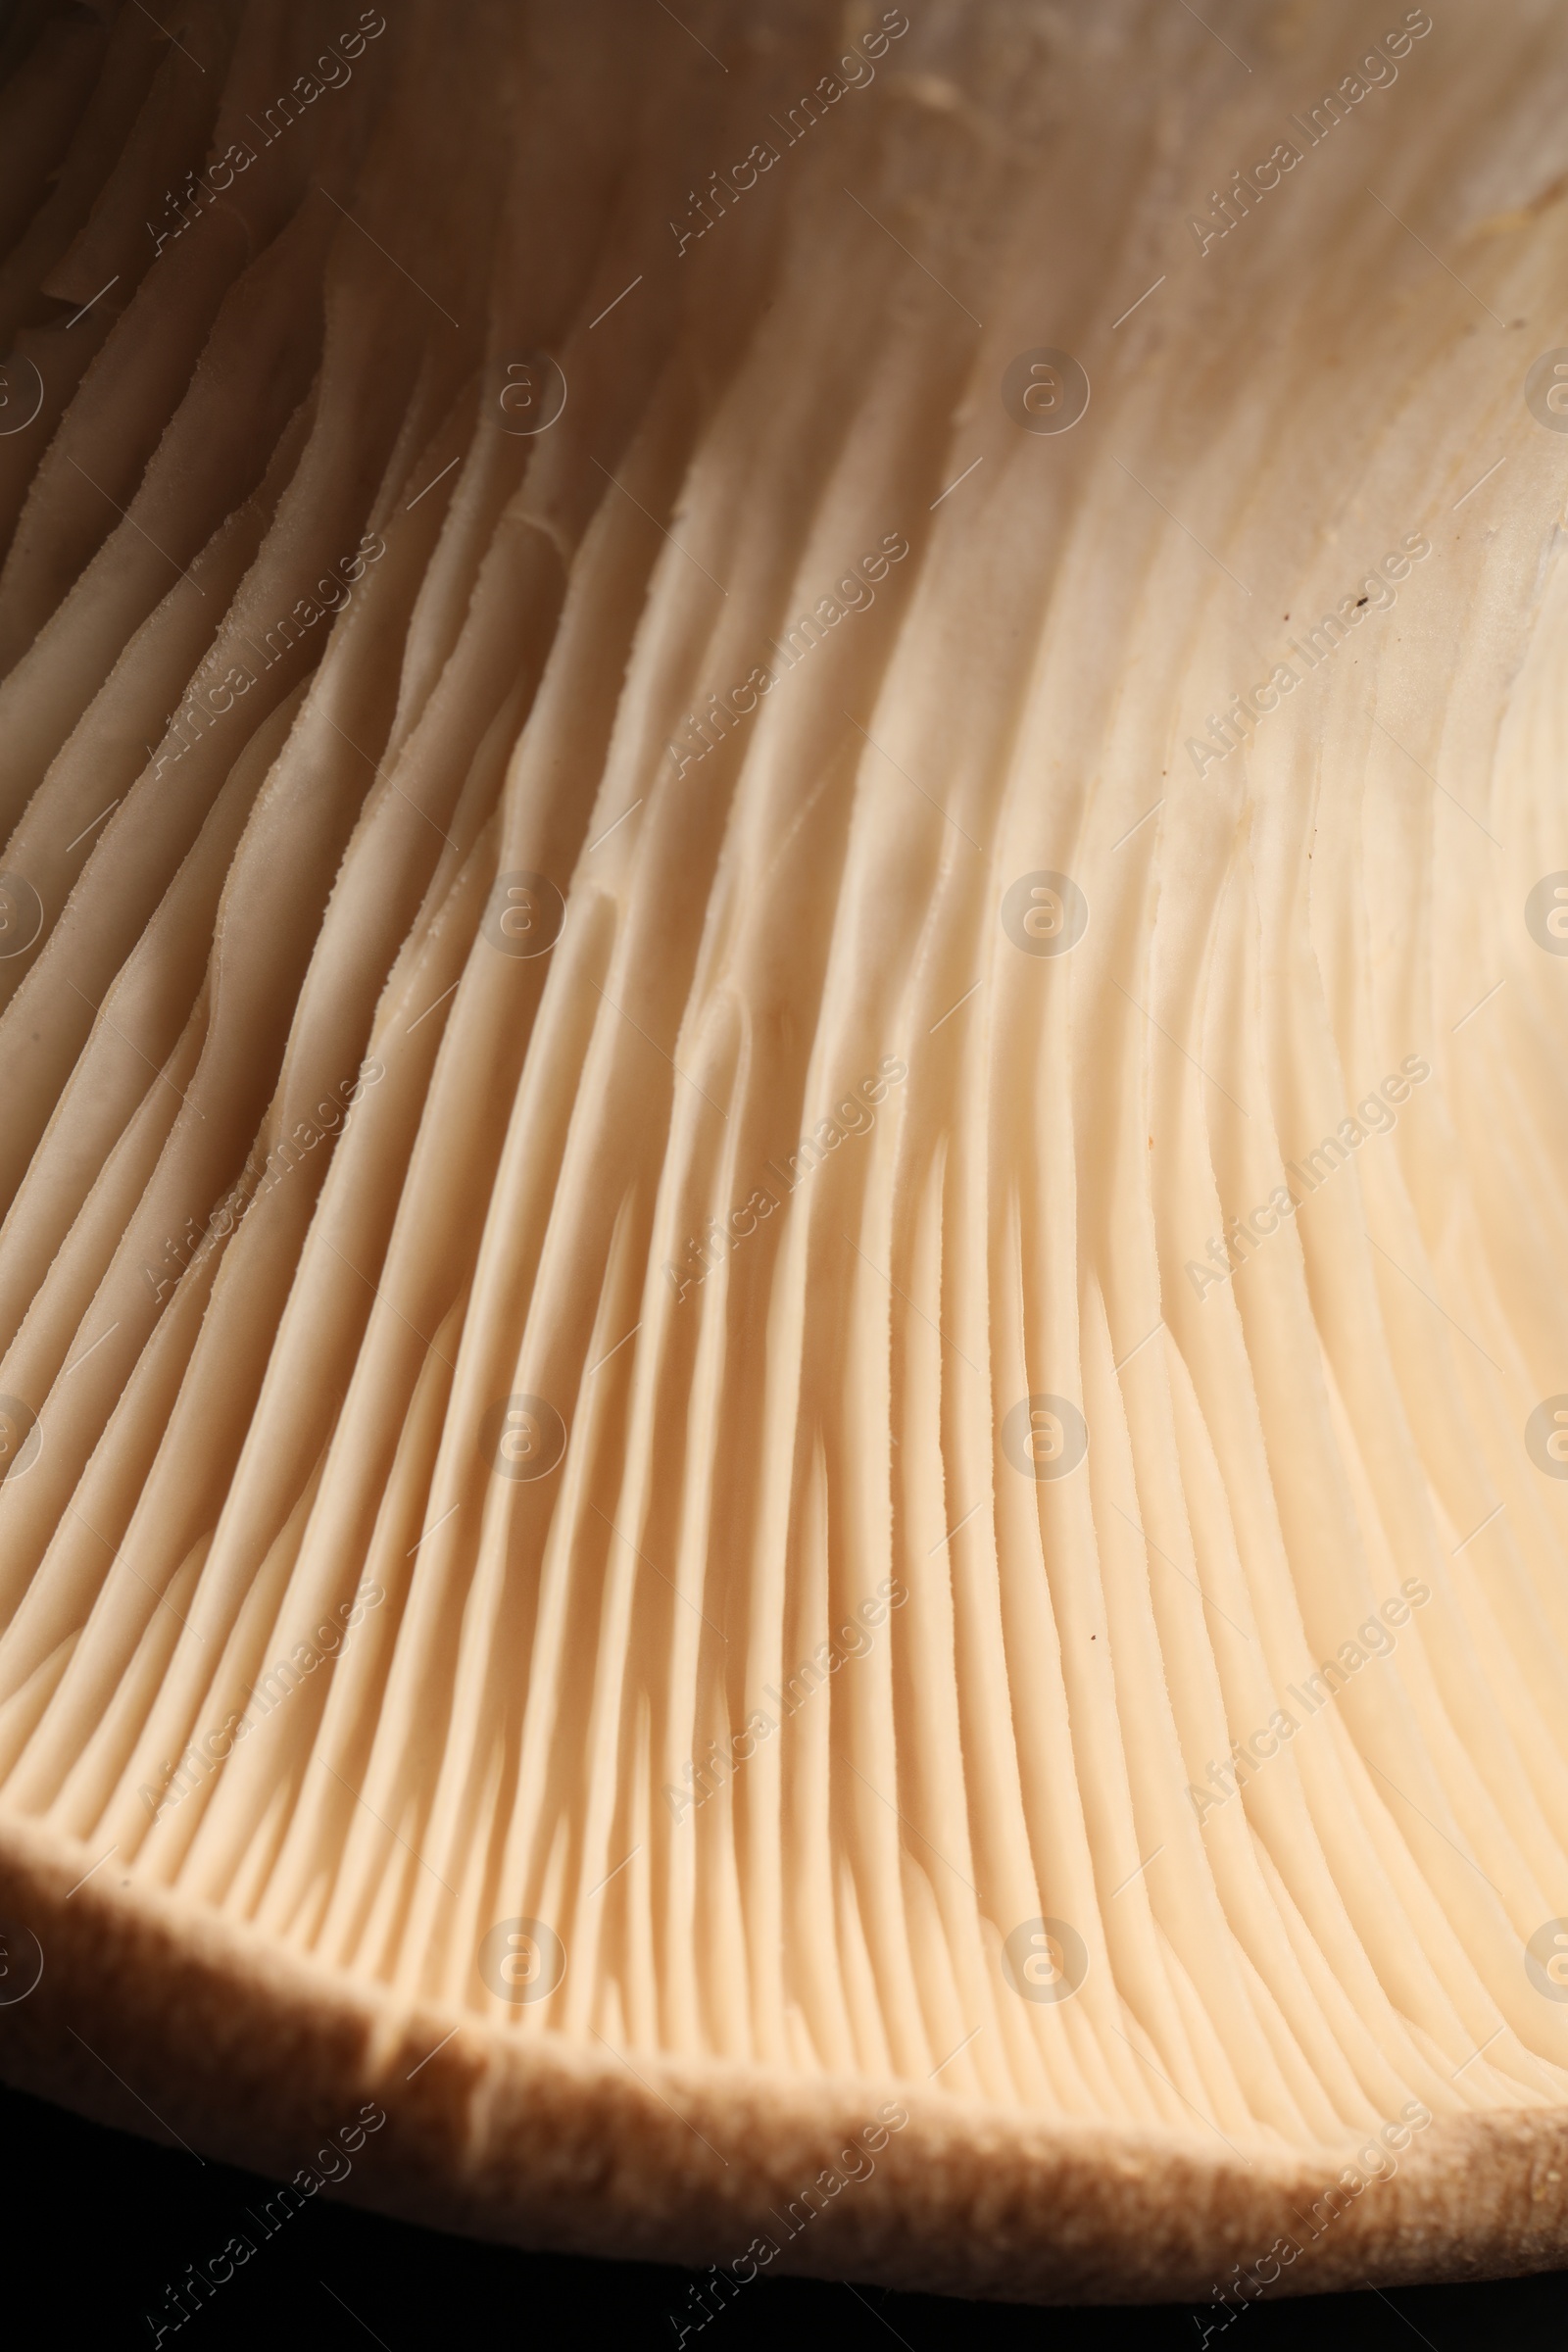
103,2225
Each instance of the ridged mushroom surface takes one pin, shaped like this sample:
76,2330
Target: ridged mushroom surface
784,1282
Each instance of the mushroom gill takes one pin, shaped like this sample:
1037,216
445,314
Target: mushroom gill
783,1272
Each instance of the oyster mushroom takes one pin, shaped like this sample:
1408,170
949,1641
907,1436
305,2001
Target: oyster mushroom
781,955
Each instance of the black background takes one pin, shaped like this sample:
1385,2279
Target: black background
98,2223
